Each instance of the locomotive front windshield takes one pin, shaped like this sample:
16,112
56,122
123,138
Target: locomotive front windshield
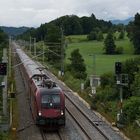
50,101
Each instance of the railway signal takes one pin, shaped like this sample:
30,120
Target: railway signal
118,67
3,68
122,80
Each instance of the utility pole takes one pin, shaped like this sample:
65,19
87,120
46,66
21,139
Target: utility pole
43,52
10,40
5,84
93,78
94,63
62,52
10,75
121,98
30,45
34,46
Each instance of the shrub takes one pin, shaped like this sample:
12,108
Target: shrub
107,79
92,35
132,109
119,50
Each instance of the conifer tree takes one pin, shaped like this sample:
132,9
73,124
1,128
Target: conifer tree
77,65
136,34
109,44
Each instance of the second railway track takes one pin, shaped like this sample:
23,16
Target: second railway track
86,125
103,127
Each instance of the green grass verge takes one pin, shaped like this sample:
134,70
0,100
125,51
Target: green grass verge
95,59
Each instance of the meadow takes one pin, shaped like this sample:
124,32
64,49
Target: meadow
93,53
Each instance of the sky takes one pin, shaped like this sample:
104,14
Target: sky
33,13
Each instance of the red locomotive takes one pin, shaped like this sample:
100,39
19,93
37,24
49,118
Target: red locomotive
47,101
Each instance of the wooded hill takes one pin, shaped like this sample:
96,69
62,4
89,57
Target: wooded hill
14,31
71,25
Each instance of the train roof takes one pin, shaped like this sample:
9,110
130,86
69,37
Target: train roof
31,67
55,90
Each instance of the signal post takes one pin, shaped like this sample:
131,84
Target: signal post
3,72
121,81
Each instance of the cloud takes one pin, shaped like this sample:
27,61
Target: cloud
34,12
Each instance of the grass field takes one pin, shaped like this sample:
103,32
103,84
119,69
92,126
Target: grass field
93,53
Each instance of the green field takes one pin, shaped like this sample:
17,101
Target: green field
93,53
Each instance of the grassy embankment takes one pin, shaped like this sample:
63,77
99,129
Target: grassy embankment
98,63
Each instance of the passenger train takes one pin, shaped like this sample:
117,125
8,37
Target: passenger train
47,100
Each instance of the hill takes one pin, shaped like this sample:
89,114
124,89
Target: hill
14,31
71,24
125,22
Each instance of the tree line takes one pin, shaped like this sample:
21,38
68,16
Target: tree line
3,41
71,25
92,27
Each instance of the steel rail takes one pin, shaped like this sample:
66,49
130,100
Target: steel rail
81,111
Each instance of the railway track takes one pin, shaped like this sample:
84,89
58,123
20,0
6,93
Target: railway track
97,122
86,125
51,135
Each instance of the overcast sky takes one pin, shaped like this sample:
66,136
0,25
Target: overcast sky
34,12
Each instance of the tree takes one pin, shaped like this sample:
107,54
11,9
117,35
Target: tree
3,42
3,37
100,36
71,25
53,42
53,33
77,66
87,24
109,44
136,34
135,87
122,34
132,109
129,30
92,35
95,34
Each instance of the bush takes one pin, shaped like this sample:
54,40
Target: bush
71,81
135,86
107,79
92,35
119,50
87,83
106,94
130,67
100,36
132,109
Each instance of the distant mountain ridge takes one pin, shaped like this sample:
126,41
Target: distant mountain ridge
14,31
125,22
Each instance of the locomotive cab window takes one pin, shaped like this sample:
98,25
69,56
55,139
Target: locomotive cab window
50,101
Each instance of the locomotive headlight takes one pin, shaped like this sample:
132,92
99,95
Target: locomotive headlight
39,113
62,113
